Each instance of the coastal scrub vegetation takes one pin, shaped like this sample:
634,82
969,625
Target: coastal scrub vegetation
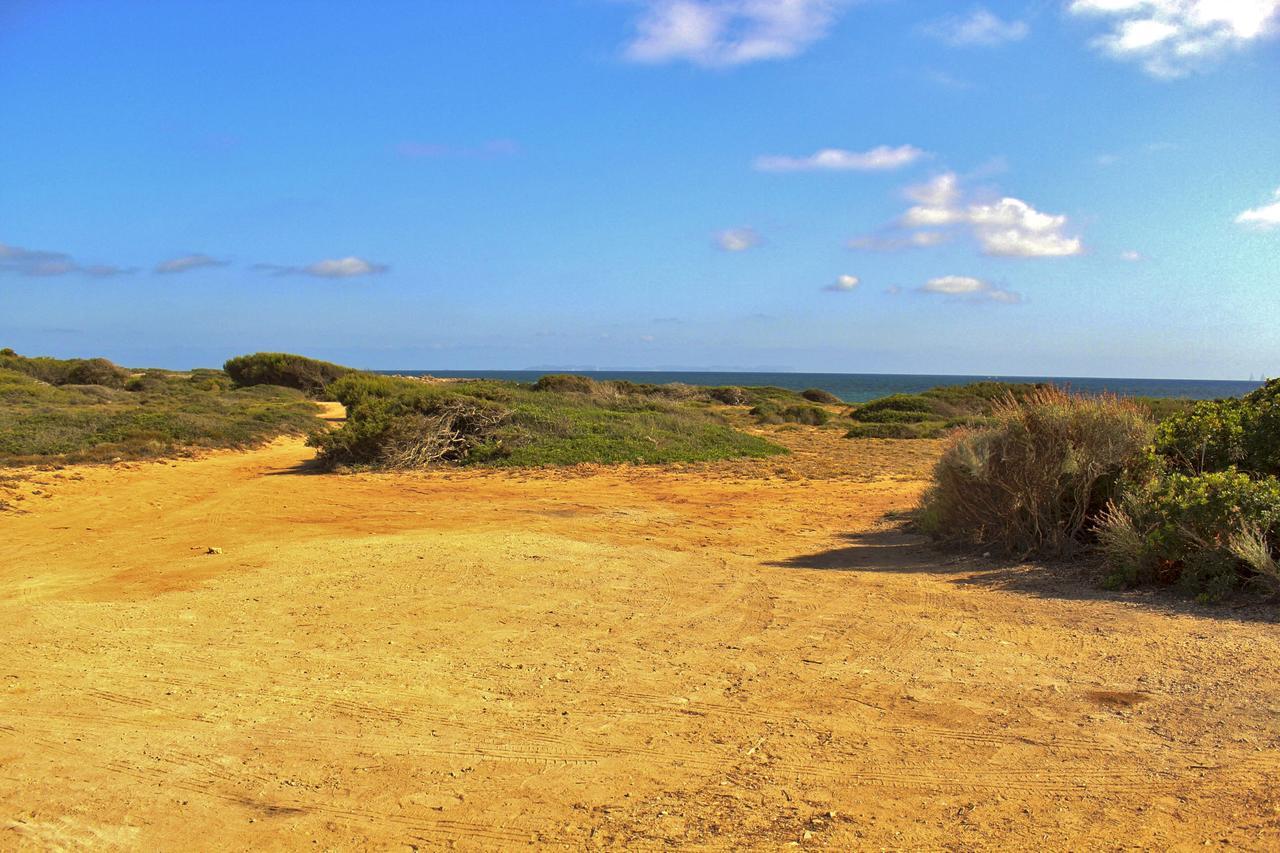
1037,476
1191,502
307,375
393,422
48,412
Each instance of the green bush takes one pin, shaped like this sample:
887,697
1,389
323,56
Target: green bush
1215,435
565,383
1035,481
1207,532
307,375
69,371
929,429
817,395
774,413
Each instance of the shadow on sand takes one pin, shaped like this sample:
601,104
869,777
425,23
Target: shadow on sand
893,549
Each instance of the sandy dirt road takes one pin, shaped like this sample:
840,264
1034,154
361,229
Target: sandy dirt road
735,656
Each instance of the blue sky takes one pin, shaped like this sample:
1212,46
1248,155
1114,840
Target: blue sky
1084,187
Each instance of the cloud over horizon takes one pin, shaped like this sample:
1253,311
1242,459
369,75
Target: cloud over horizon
348,267
725,33
969,289
878,159
184,263
1263,218
1172,38
38,263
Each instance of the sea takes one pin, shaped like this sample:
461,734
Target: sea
860,387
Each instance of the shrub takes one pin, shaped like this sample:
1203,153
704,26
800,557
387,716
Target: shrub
565,383
71,371
817,395
774,413
1205,532
1036,480
1218,434
932,429
729,395
307,375
1208,437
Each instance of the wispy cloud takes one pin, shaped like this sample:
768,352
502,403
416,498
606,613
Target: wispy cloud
40,263
1006,227
1263,218
890,242
969,289
843,284
737,239
879,159
1171,38
723,33
349,267
978,28
186,263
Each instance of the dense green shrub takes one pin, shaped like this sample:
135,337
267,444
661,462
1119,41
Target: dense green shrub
770,412
1208,437
1205,532
817,395
66,371
1035,481
1214,435
564,383
307,375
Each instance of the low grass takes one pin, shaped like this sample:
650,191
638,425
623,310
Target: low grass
560,420
156,414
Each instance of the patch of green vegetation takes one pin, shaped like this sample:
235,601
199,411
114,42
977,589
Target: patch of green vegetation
307,375
933,413
394,423
153,415
65,371
773,412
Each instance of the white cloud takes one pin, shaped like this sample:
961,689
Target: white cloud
349,267
979,28
737,239
1170,38
1264,218
39,263
879,159
1007,227
844,284
1132,256
969,289
188,262
722,33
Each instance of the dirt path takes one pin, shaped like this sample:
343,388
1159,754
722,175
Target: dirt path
725,656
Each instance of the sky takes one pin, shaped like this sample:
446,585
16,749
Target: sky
1058,187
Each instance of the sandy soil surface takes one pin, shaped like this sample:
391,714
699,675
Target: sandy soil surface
724,656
